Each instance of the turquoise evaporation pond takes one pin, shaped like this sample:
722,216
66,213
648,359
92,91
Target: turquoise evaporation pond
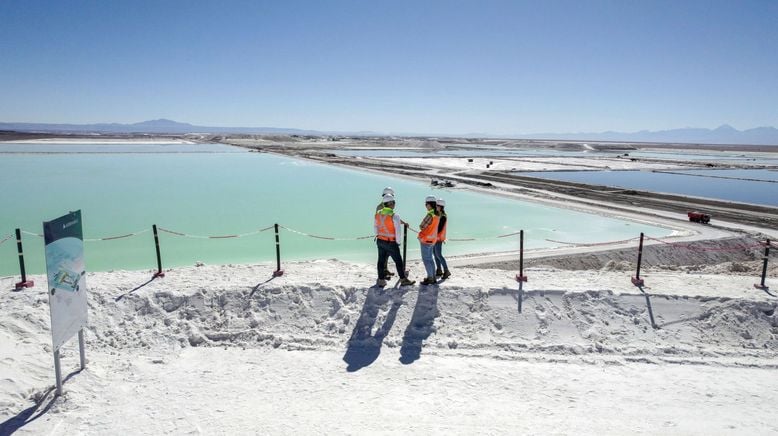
215,194
116,147
744,191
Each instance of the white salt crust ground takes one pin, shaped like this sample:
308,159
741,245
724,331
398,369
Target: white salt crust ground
225,350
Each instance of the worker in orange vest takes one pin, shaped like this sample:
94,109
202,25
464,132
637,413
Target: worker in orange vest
387,230
441,267
387,191
428,236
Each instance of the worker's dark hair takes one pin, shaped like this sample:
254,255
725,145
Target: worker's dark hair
434,206
442,209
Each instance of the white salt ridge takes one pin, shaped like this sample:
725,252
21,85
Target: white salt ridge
224,349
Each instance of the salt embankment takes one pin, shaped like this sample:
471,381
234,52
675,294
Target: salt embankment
735,254
583,317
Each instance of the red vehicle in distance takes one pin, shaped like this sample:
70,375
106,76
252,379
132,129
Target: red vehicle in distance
698,217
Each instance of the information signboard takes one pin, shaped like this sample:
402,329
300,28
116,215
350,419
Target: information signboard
65,270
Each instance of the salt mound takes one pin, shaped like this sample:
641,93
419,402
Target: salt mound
475,313
614,265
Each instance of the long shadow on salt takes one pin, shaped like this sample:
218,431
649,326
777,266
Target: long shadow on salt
134,289
421,325
11,425
364,346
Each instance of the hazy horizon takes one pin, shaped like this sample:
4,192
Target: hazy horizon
303,128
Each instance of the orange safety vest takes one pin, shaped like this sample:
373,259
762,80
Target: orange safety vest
384,222
429,234
442,232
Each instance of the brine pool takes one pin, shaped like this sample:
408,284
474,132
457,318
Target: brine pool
216,190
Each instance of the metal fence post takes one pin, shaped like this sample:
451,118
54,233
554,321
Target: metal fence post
637,281
521,277
764,267
159,272
405,249
278,272
24,283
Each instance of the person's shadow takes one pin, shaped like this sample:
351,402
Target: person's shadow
363,346
421,325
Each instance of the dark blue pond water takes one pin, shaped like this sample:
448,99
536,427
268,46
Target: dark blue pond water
766,175
743,191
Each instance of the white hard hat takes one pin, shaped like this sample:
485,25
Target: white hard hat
430,199
388,198
388,190
441,202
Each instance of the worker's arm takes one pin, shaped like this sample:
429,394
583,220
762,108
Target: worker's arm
398,231
425,222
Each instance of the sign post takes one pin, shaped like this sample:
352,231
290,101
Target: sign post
65,272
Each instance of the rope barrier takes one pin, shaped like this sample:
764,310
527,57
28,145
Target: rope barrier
328,238
171,232
186,235
480,239
760,244
694,248
472,239
106,238
592,244
111,238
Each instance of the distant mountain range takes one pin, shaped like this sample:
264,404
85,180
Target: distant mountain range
160,126
722,135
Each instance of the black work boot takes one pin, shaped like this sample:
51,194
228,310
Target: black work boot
438,272
446,274
429,281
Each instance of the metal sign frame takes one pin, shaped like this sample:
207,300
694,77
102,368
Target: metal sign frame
66,273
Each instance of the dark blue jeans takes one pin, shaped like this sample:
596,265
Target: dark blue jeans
440,261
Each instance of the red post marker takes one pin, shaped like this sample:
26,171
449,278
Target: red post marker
637,281
521,277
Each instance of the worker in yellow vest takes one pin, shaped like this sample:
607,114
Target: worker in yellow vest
441,267
388,234
428,236
387,191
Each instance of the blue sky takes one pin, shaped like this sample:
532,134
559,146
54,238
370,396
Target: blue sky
453,67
